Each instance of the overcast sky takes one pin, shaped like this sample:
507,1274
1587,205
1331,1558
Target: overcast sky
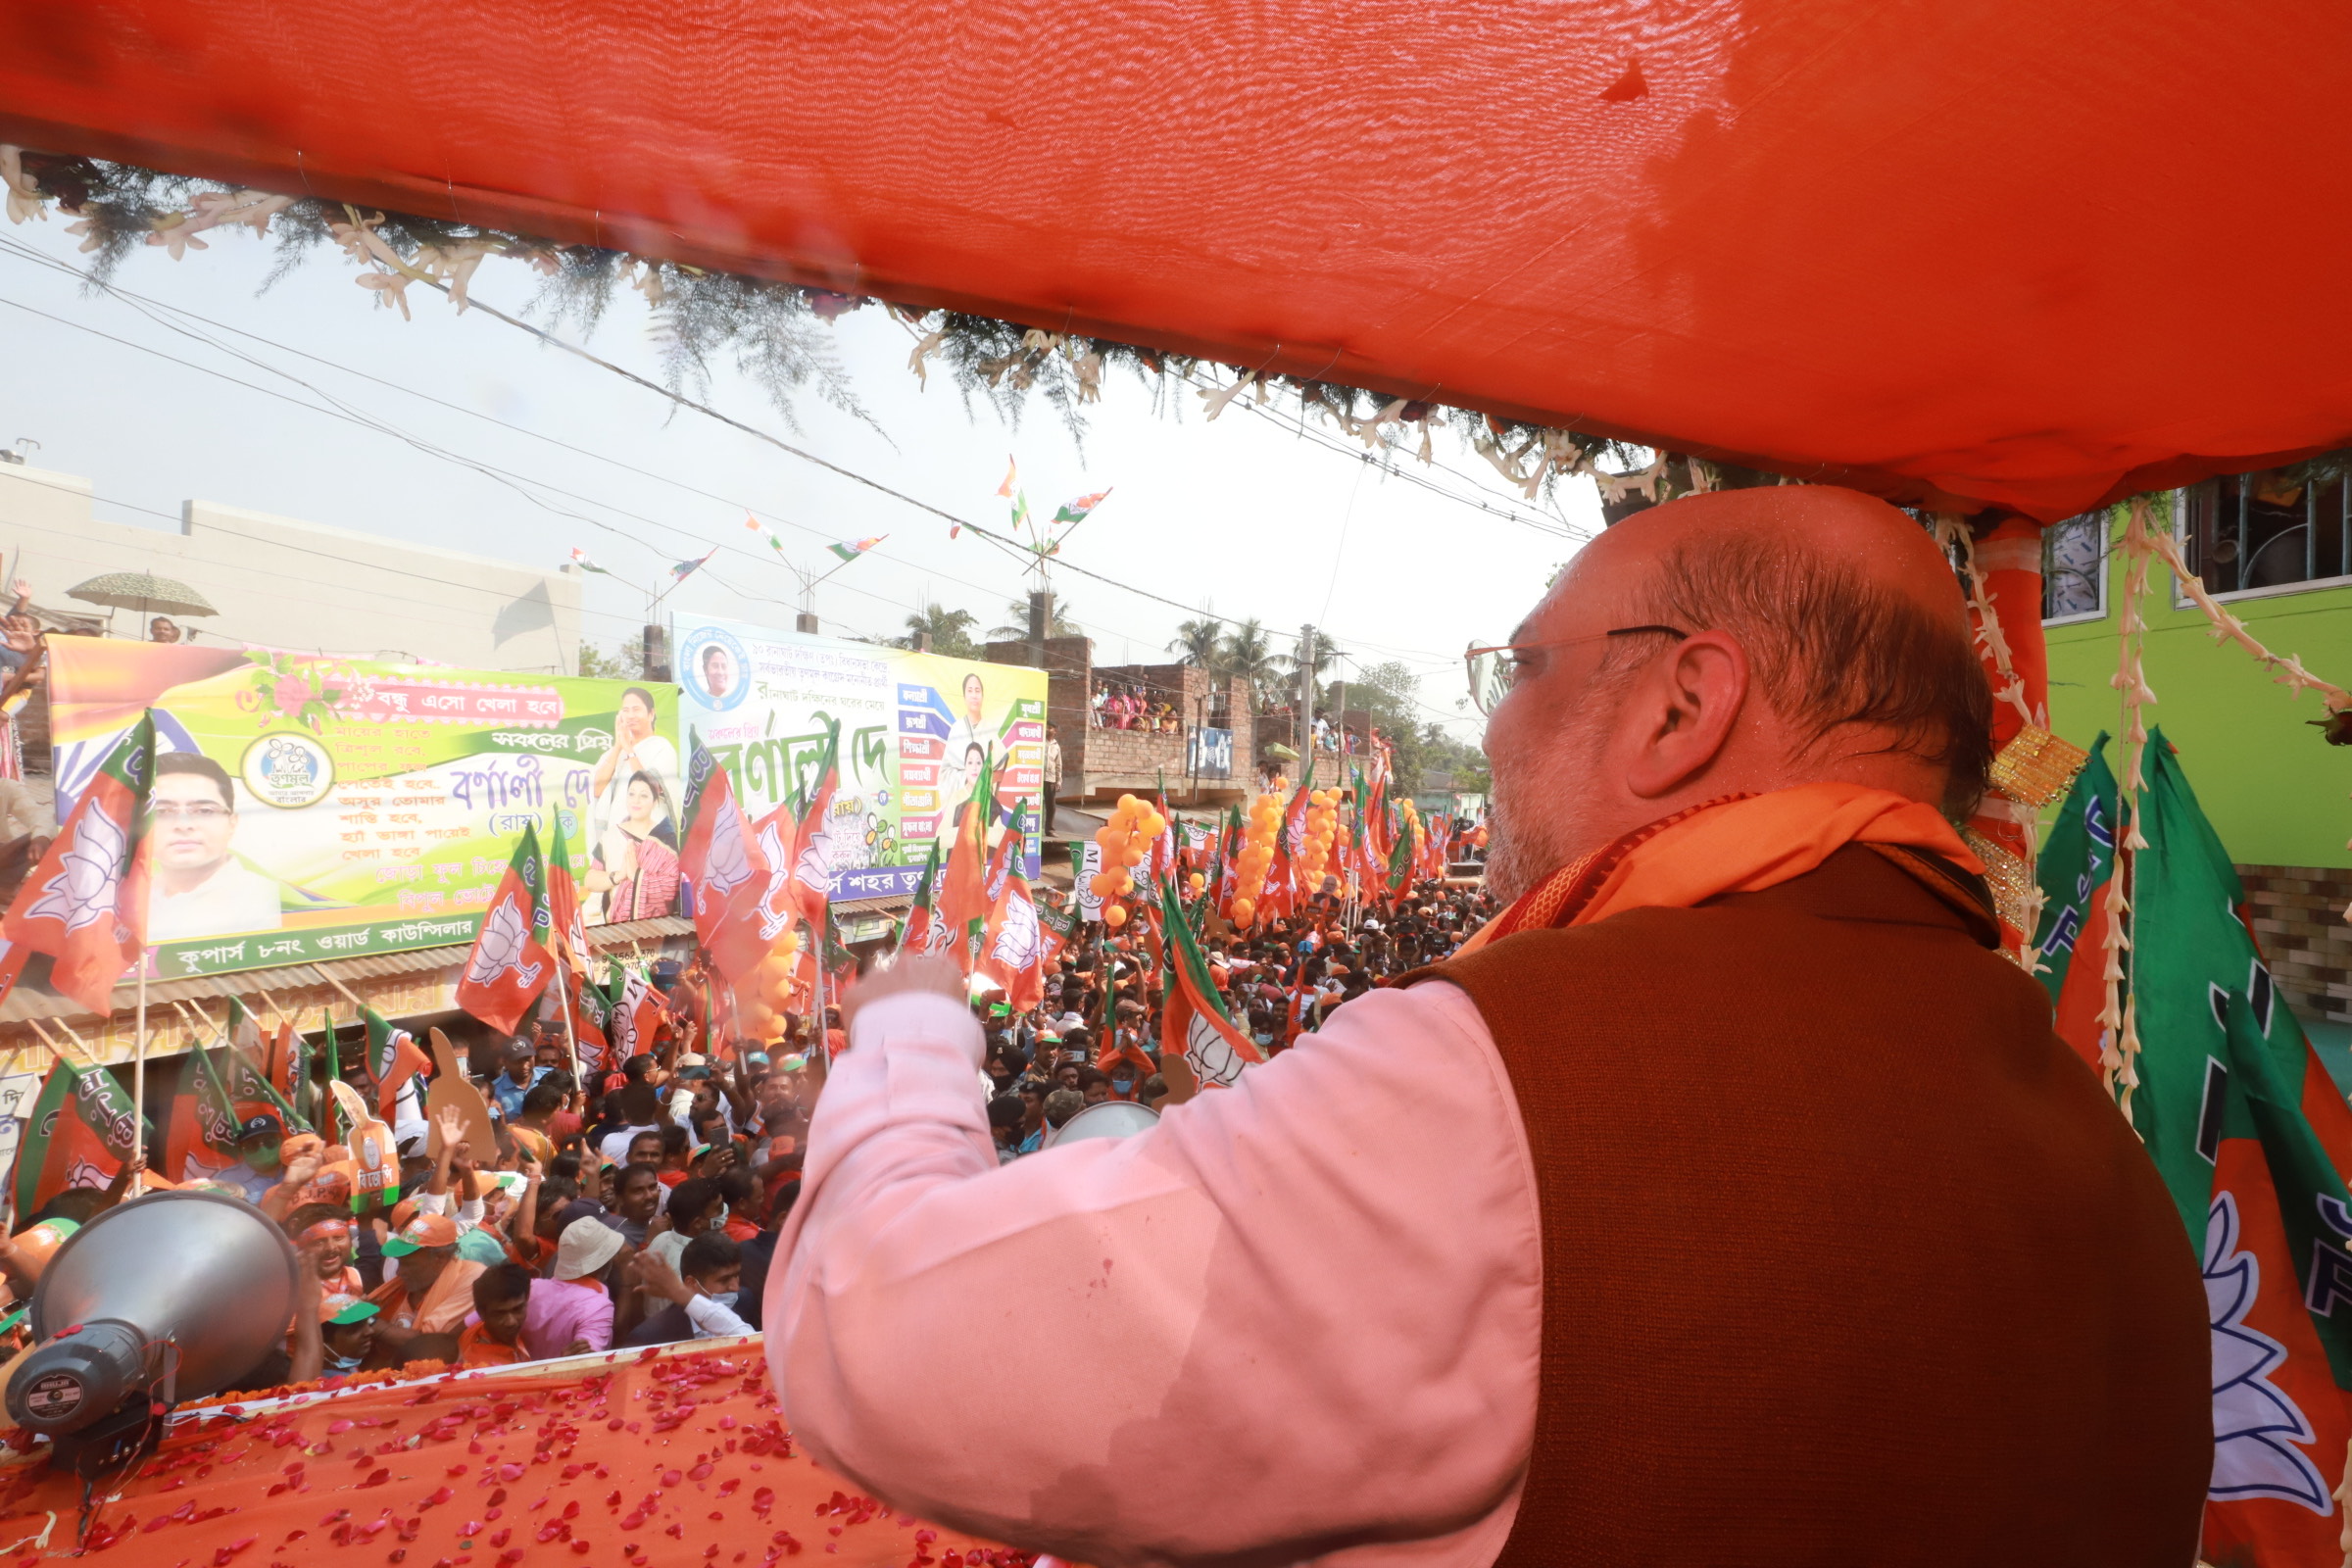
1241,514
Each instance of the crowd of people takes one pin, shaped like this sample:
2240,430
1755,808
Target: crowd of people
643,1207
1122,706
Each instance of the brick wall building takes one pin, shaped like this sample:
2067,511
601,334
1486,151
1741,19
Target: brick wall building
2298,914
1097,766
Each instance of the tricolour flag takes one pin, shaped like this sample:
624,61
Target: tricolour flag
1076,511
80,1132
764,533
1194,1023
86,905
1012,478
687,569
852,548
510,964
579,559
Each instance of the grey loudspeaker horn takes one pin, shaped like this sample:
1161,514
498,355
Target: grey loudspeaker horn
172,1296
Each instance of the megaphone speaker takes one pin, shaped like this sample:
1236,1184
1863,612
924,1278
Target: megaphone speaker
171,1297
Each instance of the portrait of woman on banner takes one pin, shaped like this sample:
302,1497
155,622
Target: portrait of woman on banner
633,871
636,750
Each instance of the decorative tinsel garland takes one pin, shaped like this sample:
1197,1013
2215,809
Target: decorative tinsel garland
771,329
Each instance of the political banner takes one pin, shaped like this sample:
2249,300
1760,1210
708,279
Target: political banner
918,733
315,808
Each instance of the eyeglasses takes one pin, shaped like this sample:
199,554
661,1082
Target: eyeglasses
1493,677
194,810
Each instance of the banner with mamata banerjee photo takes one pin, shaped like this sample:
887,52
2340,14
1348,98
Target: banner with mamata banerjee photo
918,732
306,808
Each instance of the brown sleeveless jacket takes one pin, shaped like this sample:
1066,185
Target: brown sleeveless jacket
1848,1258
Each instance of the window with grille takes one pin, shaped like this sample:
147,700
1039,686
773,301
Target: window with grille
2266,531
2073,567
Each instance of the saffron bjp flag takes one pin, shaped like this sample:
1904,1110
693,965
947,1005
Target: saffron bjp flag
916,932
729,874
1194,1023
1013,947
393,1058
563,899
81,1131
85,903
200,1136
822,840
962,907
509,965
246,1077
2279,1294
591,1018
2077,861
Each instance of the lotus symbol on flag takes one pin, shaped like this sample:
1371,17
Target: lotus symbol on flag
774,913
1018,940
835,842
2254,1422
501,947
83,890
730,865
83,1173
1212,1057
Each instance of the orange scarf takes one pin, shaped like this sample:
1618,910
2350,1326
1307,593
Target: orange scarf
1737,844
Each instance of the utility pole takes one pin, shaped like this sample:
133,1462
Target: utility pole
1041,621
1306,694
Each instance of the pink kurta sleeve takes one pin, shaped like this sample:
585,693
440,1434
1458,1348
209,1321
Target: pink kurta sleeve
1297,1319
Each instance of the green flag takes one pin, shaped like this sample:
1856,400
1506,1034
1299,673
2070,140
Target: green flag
2076,862
341,1128
2190,950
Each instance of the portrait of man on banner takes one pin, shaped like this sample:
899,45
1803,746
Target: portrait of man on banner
198,887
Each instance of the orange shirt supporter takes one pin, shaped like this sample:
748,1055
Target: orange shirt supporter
475,1347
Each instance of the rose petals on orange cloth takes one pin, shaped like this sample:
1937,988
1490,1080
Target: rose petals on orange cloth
673,1456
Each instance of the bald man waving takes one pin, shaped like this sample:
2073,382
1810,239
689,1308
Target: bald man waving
1727,1200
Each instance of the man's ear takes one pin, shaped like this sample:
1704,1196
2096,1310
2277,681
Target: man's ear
1684,706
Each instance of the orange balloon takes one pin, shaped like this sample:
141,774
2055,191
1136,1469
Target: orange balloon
1116,915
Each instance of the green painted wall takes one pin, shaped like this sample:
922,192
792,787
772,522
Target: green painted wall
2278,794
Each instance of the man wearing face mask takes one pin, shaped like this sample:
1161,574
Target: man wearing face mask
348,1329
701,1292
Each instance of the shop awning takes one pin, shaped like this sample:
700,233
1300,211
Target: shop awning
365,976
1997,250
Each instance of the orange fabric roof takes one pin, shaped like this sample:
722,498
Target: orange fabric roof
673,1458
2014,251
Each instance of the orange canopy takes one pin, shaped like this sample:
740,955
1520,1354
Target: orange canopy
2027,252
673,1456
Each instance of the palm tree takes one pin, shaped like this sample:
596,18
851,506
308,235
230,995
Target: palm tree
1060,624
1313,659
950,630
1198,642
1248,655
